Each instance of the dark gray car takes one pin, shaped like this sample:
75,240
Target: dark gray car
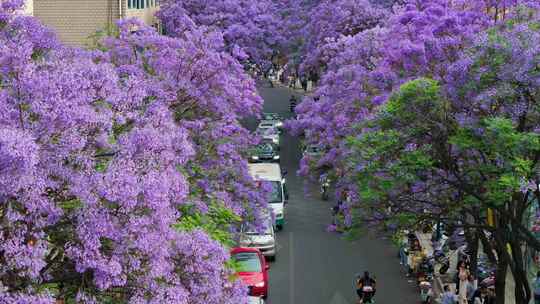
265,152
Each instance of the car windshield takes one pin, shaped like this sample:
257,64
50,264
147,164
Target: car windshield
271,116
265,148
276,195
266,125
268,131
248,262
267,231
313,149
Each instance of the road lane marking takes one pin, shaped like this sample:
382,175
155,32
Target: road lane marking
292,268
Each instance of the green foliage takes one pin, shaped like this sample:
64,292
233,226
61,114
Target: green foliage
218,222
419,96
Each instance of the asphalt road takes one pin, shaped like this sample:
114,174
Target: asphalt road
314,266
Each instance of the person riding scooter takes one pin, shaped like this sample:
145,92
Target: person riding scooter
324,182
292,103
365,288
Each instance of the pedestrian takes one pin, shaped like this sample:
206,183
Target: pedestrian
471,288
403,253
448,297
463,274
491,295
537,288
480,296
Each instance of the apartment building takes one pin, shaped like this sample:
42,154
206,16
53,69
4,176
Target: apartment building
76,20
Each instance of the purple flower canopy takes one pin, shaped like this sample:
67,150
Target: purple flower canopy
101,150
362,68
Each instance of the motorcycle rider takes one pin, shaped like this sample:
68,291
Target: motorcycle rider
324,181
365,288
292,102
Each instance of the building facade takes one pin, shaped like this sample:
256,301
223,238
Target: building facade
77,20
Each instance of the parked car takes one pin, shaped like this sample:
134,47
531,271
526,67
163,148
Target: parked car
273,118
268,132
265,240
252,270
265,152
313,151
255,300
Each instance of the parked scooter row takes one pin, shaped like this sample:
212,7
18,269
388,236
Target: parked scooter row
446,247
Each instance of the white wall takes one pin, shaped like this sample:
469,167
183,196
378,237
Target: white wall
29,7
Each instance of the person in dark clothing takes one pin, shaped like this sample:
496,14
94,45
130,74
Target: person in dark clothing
292,102
365,288
480,296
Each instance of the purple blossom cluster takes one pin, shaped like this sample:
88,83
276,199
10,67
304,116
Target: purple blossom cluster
101,149
251,29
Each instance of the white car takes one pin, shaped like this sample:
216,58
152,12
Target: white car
255,300
268,133
265,241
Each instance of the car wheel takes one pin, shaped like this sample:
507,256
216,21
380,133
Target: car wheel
272,258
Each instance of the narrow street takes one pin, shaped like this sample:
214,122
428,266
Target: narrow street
314,266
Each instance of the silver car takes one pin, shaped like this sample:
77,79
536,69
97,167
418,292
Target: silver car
255,300
265,241
274,118
268,133
313,151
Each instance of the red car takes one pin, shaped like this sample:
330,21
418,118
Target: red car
252,270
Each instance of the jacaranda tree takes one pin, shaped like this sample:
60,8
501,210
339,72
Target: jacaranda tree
121,168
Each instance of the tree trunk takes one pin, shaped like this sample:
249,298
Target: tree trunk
522,288
472,244
500,281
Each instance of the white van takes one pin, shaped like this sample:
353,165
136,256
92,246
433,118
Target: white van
271,172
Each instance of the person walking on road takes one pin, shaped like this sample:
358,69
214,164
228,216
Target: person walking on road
463,275
471,288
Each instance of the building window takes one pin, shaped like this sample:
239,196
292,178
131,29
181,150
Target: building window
141,4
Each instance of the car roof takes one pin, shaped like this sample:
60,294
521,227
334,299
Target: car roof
265,171
244,249
265,144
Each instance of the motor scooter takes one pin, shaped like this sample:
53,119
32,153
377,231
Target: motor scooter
325,187
425,271
426,292
367,295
